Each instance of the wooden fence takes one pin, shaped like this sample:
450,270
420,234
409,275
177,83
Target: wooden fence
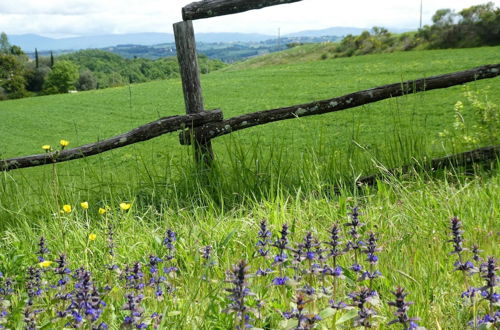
206,125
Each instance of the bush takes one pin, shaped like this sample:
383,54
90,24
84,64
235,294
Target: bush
87,81
62,78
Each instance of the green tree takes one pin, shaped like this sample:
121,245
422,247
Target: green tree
4,43
62,78
87,81
12,79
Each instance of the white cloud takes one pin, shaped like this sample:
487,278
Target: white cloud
84,17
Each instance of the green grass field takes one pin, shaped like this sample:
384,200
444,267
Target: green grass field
299,172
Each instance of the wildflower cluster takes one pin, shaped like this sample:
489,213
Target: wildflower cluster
482,297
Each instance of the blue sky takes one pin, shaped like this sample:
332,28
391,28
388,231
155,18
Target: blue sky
64,18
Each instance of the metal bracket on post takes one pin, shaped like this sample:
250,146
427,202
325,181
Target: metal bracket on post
190,75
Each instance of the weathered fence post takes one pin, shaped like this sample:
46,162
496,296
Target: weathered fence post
190,75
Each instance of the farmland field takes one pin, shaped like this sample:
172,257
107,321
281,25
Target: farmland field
299,172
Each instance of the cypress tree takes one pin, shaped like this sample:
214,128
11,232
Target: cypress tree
51,59
36,57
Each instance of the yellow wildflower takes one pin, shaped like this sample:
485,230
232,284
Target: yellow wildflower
64,143
46,147
67,208
45,263
102,211
84,205
92,237
125,206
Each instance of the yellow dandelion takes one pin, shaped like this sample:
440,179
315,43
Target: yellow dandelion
102,211
64,143
67,208
125,206
92,237
46,147
45,264
84,205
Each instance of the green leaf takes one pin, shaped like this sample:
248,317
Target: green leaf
327,312
347,316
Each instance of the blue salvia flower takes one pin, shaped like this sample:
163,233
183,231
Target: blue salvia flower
42,249
135,319
308,246
355,243
280,280
34,283
168,242
264,239
282,245
402,308
33,288
134,277
457,240
370,250
156,280
488,272
263,272
206,252
476,252
361,300
335,243
239,291
6,289
304,319
62,271
156,320
86,305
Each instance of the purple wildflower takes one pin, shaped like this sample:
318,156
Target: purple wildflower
281,244
488,272
280,280
134,277
304,319
168,242
361,299
264,239
239,290
401,312
42,249
355,224
135,317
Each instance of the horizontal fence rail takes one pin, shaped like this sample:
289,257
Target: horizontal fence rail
480,155
212,130
141,133
213,8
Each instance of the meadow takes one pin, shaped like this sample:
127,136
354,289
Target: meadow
297,172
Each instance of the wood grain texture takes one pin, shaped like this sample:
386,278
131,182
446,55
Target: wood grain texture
213,8
142,133
210,131
190,75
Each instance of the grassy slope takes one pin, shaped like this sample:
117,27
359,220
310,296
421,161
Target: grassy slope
88,116
411,217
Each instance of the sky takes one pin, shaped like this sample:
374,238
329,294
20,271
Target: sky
67,18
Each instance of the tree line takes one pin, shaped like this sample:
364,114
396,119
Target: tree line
84,70
471,27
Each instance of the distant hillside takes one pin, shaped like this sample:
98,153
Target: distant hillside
228,52
29,42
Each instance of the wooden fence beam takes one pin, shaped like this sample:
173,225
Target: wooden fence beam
210,131
191,85
213,8
476,156
142,133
